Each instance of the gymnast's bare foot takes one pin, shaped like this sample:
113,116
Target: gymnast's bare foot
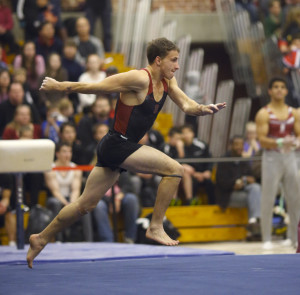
36,246
159,235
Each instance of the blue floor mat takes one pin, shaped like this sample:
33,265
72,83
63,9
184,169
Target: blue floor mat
100,251
204,274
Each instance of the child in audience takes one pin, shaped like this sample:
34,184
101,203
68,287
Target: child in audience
251,144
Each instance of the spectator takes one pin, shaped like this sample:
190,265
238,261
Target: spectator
251,144
22,117
56,71
6,206
92,74
46,42
7,108
174,147
74,68
6,25
65,187
4,84
126,203
99,114
50,127
102,9
236,187
274,21
68,135
86,43
278,129
196,175
3,64
99,131
33,63
66,110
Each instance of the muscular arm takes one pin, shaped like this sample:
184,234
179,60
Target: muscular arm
76,186
296,114
262,126
124,82
188,105
52,184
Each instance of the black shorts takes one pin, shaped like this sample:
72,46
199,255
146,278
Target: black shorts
113,150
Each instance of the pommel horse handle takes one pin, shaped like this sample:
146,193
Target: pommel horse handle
25,156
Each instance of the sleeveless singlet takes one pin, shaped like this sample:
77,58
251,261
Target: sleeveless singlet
280,128
133,122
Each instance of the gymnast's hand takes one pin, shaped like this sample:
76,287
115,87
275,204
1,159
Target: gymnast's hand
49,84
212,108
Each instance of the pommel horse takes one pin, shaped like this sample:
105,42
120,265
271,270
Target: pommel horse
24,156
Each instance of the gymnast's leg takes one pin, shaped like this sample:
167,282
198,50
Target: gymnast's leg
98,182
149,160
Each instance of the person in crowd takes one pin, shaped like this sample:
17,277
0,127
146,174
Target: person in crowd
66,111
7,206
22,117
102,9
65,187
236,186
7,108
33,63
278,130
3,63
174,147
68,134
86,43
4,84
6,25
251,144
47,42
196,175
125,202
51,126
92,74
143,93
99,114
274,20
250,7
73,67
56,71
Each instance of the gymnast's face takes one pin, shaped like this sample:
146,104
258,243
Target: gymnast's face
278,91
169,64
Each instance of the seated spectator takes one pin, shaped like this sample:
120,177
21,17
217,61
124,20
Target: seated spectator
22,117
86,43
68,134
126,203
7,204
74,68
236,187
4,84
174,147
50,127
66,110
93,74
6,25
274,21
65,187
250,7
196,175
55,70
99,114
251,144
19,76
3,64
99,131
46,42
33,63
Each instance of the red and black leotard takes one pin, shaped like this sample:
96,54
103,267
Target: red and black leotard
130,124
134,121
